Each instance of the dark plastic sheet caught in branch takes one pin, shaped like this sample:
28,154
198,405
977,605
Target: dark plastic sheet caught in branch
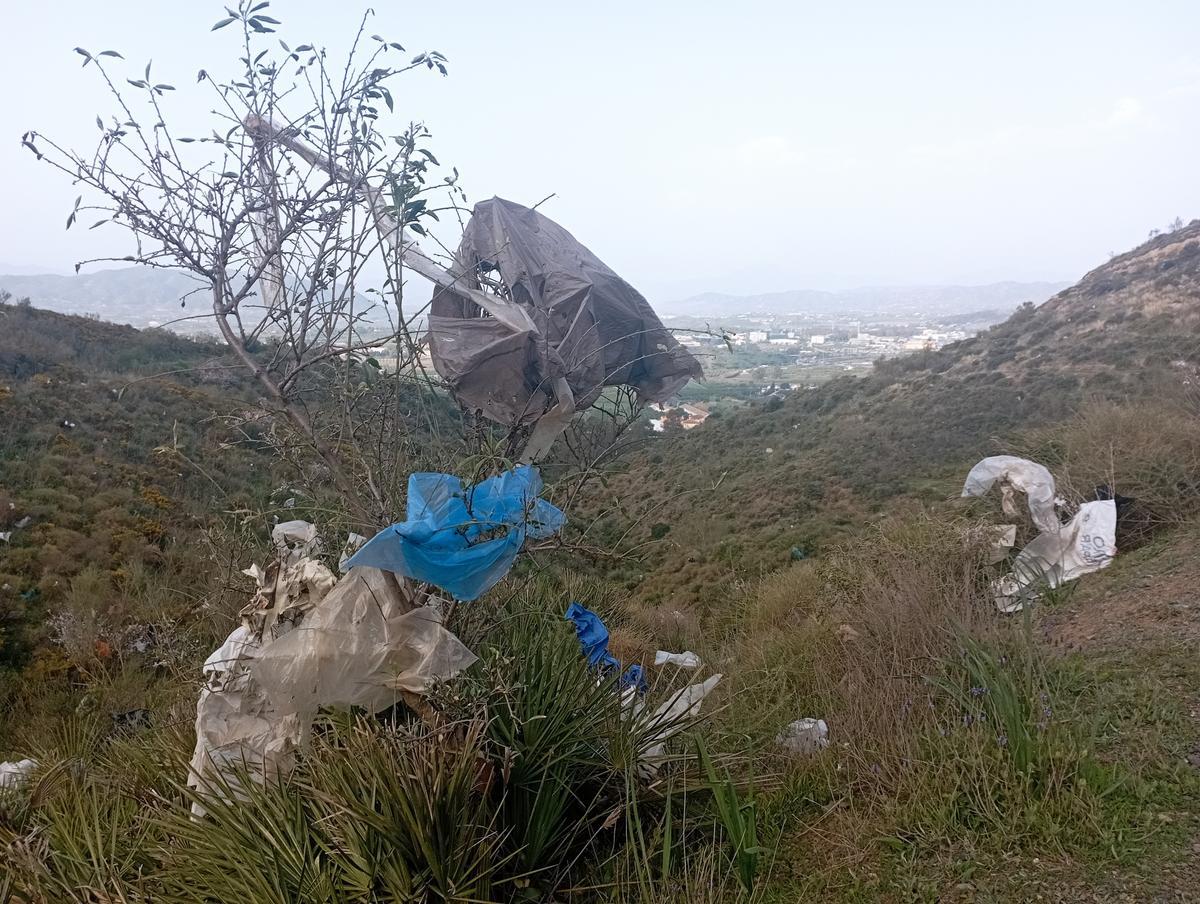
591,326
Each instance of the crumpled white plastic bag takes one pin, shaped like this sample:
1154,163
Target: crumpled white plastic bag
308,642
685,660
1034,480
359,647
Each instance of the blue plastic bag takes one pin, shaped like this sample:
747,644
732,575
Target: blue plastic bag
593,640
463,539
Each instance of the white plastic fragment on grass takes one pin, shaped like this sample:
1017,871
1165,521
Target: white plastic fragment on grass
15,774
685,660
804,736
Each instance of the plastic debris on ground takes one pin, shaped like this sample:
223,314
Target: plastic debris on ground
667,720
308,640
15,774
684,660
593,640
1061,552
1085,544
1014,473
462,538
804,736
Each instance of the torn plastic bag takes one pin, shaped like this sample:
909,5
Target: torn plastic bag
14,775
357,644
589,326
295,540
1085,544
361,646
593,636
684,660
593,640
1034,480
670,718
463,539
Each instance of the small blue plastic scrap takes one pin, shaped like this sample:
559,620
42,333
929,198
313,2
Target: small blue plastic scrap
463,539
593,640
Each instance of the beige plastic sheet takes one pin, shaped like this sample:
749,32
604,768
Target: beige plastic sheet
309,641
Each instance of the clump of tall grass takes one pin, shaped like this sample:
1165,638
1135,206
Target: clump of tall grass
1149,453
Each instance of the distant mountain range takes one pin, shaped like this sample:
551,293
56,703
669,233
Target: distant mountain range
929,300
138,296
141,297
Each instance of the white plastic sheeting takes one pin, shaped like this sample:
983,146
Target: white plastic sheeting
685,660
1085,544
804,736
670,718
14,775
1014,473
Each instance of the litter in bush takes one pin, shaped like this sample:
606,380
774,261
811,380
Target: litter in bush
463,539
5,535
131,719
354,543
585,327
1014,473
15,774
593,640
296,540
309,641
1061,552
1085,544
685,660
804,736
670,718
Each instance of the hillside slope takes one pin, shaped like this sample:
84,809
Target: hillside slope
742,491
111,466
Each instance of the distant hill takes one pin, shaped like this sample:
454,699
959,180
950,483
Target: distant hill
745,488
137,296
929,300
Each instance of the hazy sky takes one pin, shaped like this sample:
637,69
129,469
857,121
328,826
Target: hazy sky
749,146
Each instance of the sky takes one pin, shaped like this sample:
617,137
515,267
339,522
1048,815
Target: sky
711,146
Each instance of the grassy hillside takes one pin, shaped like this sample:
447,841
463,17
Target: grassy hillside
735,496
113,469
972,756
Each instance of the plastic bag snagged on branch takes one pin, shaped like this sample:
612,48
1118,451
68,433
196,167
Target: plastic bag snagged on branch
463,538
1032,479
588,326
